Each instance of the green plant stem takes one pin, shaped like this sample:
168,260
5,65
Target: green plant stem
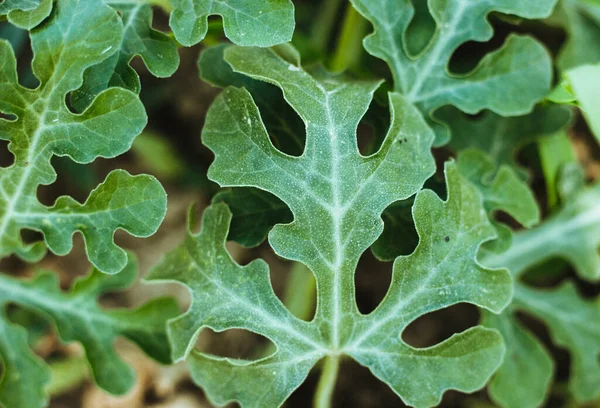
327,382
67,374
555,151
322,28
349,47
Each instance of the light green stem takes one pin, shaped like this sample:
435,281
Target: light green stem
67,374
327,382
324,24
349,47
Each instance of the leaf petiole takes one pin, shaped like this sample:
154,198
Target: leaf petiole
327,382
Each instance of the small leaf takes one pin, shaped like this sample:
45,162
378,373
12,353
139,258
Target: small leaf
25,375
157,50
573,233
524,379
503,136
78,317
574,325
509,81
45,127
581,21
26,14
585,82
261,23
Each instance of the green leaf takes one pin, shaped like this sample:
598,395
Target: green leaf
254,214
508,81
574,325
261,23
525,377
585,82
581,20
503,136
45,127
78,317
573,233
25,375
399,236
502,190
556,152
157,50
255,211
26,14
499,184
336,196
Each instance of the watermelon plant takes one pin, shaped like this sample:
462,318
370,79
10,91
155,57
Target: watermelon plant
453,142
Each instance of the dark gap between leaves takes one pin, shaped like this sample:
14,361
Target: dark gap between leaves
435,327
234,343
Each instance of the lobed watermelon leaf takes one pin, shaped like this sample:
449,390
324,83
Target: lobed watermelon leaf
509,81
336,196
41,125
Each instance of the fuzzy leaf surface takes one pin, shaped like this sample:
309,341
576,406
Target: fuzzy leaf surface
43,127
336,196
78,317
501,188
261,23
509,81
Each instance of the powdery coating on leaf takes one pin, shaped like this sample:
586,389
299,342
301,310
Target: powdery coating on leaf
508,81
78,317
337,197
79,34
261,23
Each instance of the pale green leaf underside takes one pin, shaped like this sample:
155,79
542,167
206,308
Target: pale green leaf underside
26,14
508,81
585,82
337,197
261,23
78,317
44,127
